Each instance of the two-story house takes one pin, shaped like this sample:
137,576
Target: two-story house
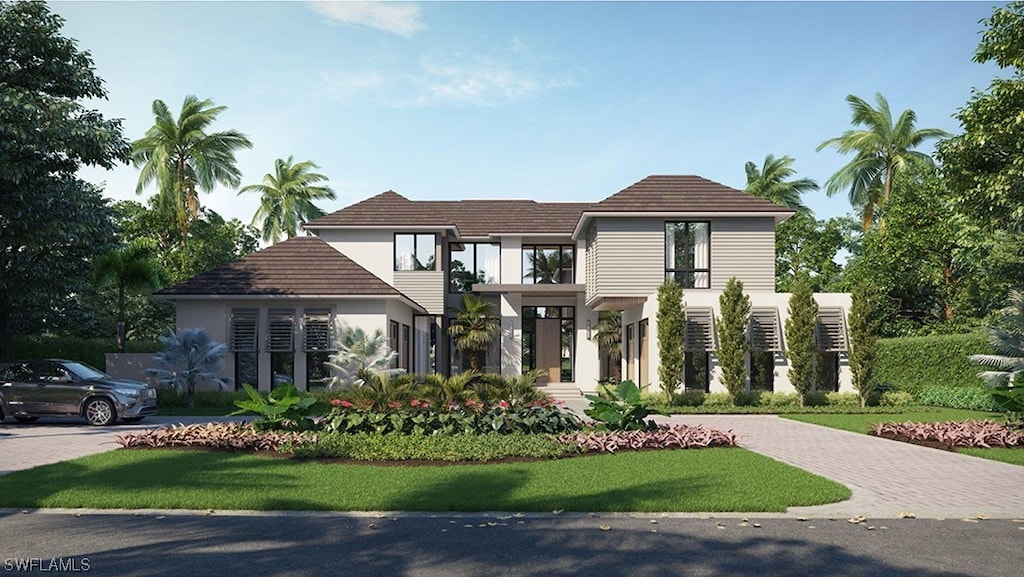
550,268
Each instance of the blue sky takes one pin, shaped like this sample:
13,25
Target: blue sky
550,101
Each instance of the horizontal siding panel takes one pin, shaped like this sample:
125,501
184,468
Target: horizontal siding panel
424,287
743,248
630,257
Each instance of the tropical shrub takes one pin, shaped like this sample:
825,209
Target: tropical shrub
895,399
671,321
358,356
190,358
224,436
515,389
283,408
459,447
982,434
664,437
732,337
620,409
1007,383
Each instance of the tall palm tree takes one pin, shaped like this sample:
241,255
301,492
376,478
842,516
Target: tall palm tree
770,182
287,198
130,268
183,159
474,328
882,149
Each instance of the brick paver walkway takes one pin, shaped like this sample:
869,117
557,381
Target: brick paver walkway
886,477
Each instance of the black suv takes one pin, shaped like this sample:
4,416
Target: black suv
54,387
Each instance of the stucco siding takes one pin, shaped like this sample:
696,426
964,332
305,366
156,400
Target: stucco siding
743,248
371,249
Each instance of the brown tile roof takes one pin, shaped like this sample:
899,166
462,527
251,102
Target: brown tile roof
683,193
472,218
298,266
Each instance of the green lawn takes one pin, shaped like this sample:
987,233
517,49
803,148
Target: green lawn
861,423
1012,456
709,480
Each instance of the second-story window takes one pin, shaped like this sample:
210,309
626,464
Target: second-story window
415,252
688,253
548,264
474,263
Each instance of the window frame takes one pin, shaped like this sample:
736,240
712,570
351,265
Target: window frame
415,250
673,273
562,250
475,268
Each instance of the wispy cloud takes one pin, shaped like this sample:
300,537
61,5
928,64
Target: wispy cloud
402,18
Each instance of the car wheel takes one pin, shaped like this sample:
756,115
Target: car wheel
131,420
99,412
25,419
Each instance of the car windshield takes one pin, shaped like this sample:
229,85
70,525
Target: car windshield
84,371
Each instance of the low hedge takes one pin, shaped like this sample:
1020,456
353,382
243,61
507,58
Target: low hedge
395,447
89,351
974,398
912,363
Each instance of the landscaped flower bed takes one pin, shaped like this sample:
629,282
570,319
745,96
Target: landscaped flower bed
948,435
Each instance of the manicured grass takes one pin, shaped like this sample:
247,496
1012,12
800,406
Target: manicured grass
1012,456
862,423
731,479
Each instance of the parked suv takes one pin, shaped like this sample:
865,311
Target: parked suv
54,387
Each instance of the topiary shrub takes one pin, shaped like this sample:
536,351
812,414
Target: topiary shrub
732,337
671,336
833,399
802,346
895,399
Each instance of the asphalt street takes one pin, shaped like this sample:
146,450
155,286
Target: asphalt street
465,545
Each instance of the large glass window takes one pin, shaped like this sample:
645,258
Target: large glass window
688,253
548,264
474,263
415,251
425,329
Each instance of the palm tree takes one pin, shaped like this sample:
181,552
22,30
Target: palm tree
882,150
287,198
190,358
608,336
1008,342
130,268
183,159
770,183
359,357
474,328
546,266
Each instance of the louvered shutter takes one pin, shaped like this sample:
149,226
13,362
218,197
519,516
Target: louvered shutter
316,331
831,330
243,330
700,329
764,329
280,330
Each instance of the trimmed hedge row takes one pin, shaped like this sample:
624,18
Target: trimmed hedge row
973,398
912,363
89,351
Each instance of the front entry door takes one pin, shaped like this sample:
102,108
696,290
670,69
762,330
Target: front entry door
549,349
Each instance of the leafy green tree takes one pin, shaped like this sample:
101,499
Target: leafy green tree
474,328
985,164
608,336
772,182
863,342
286,198
807,246
182,158
881,150
801,345
51,223
733,345
190,358
671,337
129,268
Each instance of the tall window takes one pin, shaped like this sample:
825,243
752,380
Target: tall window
281,345
317,343
425,329
548,264
393,343
688,253
473,263
415,252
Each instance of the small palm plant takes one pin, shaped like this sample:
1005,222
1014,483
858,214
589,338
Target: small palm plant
190,358
1007,383
474,328
359,357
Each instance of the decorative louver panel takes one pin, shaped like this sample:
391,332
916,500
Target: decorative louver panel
243,330
831,330
765,332
700,329
280,330
316,331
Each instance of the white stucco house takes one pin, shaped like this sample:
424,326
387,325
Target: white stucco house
396,264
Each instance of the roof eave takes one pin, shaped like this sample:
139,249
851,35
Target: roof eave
778,215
